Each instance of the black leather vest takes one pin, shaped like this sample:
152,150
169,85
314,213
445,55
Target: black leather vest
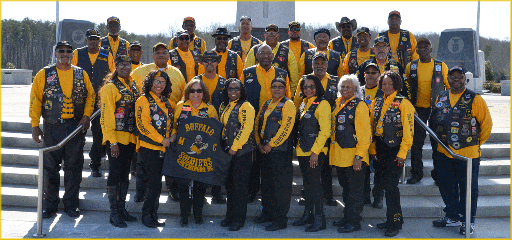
197,45
303,46
121,50
308,125
404,48
159,120
392,121
272,125
436,86
53,97
177,62
331,90
232,128
253,87
96,72
236,45
231,66
217,93
125,106
353,66
280,58
332,65
339,46
456,126
345,128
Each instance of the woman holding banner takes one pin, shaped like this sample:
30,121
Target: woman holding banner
237,116
193,104
154,116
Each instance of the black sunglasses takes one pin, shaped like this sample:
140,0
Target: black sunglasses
192,90
209,60
184,38
65,51
222,38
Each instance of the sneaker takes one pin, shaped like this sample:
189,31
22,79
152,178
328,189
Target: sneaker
446,222
463,228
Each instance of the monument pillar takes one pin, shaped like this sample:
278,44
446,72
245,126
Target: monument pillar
265,13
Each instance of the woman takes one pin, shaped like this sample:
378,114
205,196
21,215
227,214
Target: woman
274,124
392,121
313,131
118,123
351,138
194,103
155,116
237,116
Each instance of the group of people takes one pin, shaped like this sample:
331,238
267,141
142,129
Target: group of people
338,103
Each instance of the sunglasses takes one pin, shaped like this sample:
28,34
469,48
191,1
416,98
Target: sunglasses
65,51
236,89
209,60
93,38
277,87
184,38
371,73
295,29
456,78
221,38
192,90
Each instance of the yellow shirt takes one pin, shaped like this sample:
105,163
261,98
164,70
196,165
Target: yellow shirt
114,45
483,116
135,66
211,84
361,57
191,46
393,43
425,72
287,121
93,57
344,157
143,118
109,96
302,64
245,117
246,46
177,80
407,117
322,114
221,67
369,93
297,100
66,83
188,59
292,65
265,80
295,47
212,112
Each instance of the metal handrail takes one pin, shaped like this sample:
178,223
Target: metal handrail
39,233
468,171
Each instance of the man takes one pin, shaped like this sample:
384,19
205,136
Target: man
426,78
230,65
462,121
135,53
112,42
283,57
381,49
196,44
402,42
63,95
330,84
346,42
182,58
215,84
334,67
243,43
358,56
257,80
97,62
297,45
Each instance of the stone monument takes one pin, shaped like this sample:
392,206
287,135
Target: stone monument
458,47
264,13
73,31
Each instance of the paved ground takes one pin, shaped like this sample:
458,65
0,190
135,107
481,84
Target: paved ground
20,223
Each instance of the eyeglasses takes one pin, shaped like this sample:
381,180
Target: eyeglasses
198,90
312,87
221,38
158,82
277,87
456,78
189,25
184,38
371,73
209,60
295,29
124,65
236,89
65,51
271,34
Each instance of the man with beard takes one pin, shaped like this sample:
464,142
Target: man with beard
334,66
283,57
230,65
358,56
297,45
196,44
346,42
184,59
112,42
243,43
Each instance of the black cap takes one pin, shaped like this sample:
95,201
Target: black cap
122,58
92,33
210,54
322,30
272,27
394,12
363,30
63,43
293,24
320,54
115,19
221,32
381,39
181,33
456,68
135,44
160,44
245,18
372,65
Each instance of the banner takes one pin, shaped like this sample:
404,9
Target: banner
197,154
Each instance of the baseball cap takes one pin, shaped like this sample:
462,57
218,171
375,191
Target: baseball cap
122,58
272,27
135,44
63,43
293,24
394,12
456,68
115,19
320,54
372,65
381,39
322,30
363,30
92,33
160,44
189,19
181,33
245,17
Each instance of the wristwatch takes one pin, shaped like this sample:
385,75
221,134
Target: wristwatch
359,157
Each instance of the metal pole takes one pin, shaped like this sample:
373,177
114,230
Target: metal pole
56,28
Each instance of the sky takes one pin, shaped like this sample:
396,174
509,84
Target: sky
159,17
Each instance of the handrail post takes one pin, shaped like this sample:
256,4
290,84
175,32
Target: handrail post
39,233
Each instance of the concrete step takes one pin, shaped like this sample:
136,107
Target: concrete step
488,185
24,140
412,206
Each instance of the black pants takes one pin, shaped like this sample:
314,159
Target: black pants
352,183
452,185
417,146
255,177
314,193
387,170
153,165
119,167
197,201
276,185
98,150
73,155
237,184
326,176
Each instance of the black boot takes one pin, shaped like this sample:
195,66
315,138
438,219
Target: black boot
121,204
197,206
147,220
318,224
307,218
378,202
154,216
115,217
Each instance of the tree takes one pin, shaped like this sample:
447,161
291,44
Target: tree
489,73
